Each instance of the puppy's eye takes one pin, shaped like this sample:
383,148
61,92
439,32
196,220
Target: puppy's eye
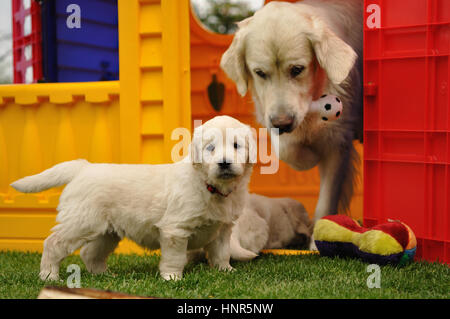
210,148
296,70
236,146
261,74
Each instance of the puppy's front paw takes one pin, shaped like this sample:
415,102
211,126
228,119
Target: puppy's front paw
172,276
47,275
226,267
96,267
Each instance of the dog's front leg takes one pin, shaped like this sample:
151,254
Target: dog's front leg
173,256
218,251
337,171
327,201
326,204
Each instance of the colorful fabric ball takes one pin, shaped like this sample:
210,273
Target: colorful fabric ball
390,243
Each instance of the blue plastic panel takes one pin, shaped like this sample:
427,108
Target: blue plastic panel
89,53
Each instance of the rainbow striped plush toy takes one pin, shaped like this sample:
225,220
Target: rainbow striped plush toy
389,243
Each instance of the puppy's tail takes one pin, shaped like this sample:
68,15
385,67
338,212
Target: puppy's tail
238,252
57,175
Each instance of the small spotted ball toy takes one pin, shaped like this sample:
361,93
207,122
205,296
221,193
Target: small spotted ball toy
390,243
329,107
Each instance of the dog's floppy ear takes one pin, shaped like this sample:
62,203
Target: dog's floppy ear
299,217
195,148
233,60
334,55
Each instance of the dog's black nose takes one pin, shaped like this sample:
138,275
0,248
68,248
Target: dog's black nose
285,123
224,165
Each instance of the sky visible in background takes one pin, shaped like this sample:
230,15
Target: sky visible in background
5,15
6,45
203,5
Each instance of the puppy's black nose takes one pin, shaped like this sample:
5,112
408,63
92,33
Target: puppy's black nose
224,165
285,123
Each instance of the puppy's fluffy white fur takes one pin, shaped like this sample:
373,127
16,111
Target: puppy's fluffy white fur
268,223
166,206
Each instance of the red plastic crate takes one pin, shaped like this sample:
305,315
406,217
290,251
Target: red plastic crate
21,40
407,120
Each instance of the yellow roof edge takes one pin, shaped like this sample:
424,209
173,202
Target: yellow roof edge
59,93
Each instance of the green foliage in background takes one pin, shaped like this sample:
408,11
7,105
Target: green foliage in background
222,15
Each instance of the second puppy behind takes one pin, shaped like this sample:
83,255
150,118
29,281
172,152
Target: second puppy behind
268,223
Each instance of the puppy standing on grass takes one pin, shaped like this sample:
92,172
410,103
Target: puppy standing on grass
176,207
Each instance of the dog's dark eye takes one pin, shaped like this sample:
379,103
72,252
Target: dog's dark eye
236,146
210,148
260,73
296,70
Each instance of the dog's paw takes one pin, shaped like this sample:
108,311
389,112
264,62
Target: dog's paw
312,245
172,276
226,268
96,267
47,275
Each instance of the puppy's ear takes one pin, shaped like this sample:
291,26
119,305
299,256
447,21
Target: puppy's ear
233,60
252,149
334,55
300,218
195,148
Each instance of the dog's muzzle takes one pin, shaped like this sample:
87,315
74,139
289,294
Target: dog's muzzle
284,123
225,170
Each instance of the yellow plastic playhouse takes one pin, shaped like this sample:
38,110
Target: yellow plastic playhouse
166,62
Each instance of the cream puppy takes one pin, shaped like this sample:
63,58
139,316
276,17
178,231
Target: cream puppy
176,207
268,223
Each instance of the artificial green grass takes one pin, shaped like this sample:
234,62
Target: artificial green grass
267,276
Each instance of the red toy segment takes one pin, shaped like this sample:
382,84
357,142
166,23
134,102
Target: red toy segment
347,222
397,230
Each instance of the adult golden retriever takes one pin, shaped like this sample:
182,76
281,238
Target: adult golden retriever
289,54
